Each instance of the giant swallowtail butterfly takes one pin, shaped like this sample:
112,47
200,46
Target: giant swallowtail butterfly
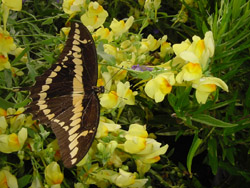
65,96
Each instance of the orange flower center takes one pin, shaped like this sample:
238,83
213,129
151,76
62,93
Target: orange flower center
4,183
165,86
211,87
193,67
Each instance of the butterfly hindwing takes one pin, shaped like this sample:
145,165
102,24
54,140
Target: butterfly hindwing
63,97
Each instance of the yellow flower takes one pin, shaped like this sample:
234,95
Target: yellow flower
151,44
183,46
104,33
4,62
109,100
135,138
105,126
16,72
3,112
161,85
7,43
3,125
64,31
199,51
128,46
13,142
190,72
7,180
205,86
95,16
127,179
120,27
53,174
124,178
114,51
152,151
126,95
13,4
165,49
73,6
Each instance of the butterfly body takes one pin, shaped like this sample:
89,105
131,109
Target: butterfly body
65,96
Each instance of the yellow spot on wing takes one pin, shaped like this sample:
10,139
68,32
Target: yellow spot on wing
52,74
74,152
76,42
77,61
73,144
77,31
50,116
75,122
47,111
43,106
45,88
58,68
74,129
72,137
48,81
76,115
76,48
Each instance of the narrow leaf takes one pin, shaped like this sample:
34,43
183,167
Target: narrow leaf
211,121
212,155
195,145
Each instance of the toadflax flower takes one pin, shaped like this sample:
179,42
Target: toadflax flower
104,33
7,179
105,126
199,51
120,27
159,86
13,142
95,15
205,86
127,179
7,43
124,95
135,138
53,174
4,62
73,6
190,71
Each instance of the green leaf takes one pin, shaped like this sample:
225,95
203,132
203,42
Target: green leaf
48,21
195,145
144,75
109,58
212,155
32,72
247,101
230,155
5,104
211,121
20,56
23,181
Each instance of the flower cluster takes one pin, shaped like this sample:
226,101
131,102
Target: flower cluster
118,156
113,147
189,65
7,43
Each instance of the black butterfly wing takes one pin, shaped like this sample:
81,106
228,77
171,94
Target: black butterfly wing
63,96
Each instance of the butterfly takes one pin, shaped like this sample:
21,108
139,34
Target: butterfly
65,96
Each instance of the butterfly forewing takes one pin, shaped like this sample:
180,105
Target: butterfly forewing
63,96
